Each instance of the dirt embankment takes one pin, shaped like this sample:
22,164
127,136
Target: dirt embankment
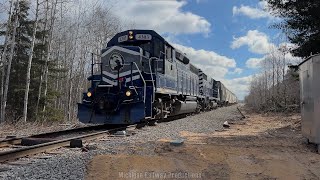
259,147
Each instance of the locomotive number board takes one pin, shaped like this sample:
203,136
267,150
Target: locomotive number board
123,38
143,37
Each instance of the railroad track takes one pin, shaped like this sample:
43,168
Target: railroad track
23,151
54,144
17,140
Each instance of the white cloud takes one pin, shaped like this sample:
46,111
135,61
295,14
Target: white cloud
254,63
261,11
237,71
286,46
213,64
207,58
279,53
217,67
258,42
162,16
215,72
239,86
292,59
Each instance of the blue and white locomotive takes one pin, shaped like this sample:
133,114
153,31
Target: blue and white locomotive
143,78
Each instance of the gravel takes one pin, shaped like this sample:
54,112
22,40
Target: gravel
71,163
204,122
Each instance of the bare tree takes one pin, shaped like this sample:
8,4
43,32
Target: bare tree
58,63
42,70
46,69
35,26
6,84
268,90
4,58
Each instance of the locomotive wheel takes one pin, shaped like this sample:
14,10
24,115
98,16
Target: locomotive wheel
198,109
141,125
159,108
162,114
152,123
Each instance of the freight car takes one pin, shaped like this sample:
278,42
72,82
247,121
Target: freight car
224,95
142,77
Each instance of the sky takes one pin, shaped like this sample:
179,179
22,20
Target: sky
225,38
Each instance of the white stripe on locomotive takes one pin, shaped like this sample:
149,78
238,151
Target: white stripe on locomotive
114,76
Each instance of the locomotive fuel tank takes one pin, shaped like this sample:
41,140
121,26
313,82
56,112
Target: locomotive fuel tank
184,107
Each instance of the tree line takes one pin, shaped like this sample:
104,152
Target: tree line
276,87
46,48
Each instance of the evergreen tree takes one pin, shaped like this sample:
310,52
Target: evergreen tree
20,58
19,69
301,23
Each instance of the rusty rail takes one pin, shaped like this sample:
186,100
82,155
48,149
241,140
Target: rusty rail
17,140
35,149
10,141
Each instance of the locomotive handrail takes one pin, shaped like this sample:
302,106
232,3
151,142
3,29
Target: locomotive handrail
159,59
153,85
144,82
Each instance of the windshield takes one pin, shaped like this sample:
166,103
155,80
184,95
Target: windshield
146,46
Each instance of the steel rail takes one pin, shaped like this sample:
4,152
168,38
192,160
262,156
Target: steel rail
10,141
31,150
35,149
17,140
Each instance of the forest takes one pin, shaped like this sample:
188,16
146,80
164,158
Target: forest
46,51
275,87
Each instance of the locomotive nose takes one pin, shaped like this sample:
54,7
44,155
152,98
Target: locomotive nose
101,104
105,104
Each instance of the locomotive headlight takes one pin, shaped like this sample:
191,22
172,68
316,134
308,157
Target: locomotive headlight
128,93
89,94
130,37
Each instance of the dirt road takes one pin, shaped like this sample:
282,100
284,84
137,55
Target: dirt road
258,147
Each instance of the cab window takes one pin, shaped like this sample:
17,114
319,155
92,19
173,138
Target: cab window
169,53
158,48
146,46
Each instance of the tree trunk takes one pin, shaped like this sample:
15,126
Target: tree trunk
6,85
69,99
284,81
53,12
4,59
39,94
26,93
42,71
273,83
